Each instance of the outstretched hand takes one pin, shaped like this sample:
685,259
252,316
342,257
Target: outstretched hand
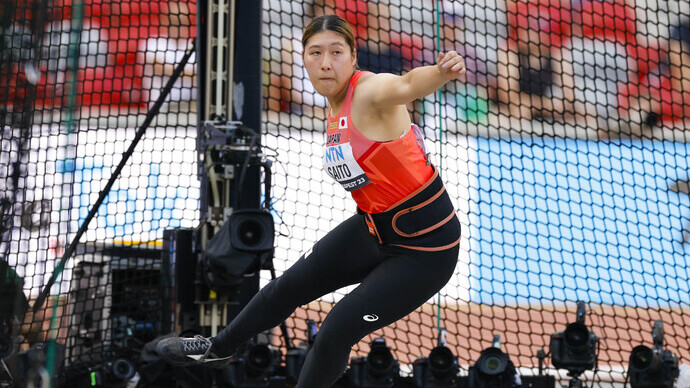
451,65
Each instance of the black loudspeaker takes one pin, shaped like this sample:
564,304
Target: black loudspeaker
252,231
243,246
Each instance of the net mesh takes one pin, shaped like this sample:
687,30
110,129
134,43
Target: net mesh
78,79
566,163
564,150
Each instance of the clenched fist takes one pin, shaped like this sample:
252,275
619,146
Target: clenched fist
451,65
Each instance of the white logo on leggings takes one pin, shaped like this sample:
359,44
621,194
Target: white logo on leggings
371,317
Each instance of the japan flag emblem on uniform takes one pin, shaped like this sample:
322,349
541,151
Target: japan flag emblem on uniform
342,123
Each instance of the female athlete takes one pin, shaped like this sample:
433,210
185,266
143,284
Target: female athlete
401,246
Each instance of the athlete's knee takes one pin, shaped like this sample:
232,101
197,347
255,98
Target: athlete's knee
334,335
326,361
331,343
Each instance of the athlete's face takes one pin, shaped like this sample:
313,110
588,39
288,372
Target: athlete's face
330,62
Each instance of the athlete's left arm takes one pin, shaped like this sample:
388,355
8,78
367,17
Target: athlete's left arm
388,89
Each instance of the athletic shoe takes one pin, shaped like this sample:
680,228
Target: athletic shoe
197,350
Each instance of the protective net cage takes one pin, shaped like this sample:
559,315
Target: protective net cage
564,150
77,81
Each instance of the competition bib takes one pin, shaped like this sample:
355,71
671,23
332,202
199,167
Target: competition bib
340,163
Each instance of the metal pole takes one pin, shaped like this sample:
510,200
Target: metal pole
125,157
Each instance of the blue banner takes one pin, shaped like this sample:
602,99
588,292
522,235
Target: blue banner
565,220
139,209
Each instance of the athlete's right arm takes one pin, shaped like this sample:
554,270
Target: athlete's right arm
388,89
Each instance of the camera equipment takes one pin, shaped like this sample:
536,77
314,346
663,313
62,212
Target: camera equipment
254,367
236,237
540,380
244,245
112,373
119,300
493,369
575,348
28,367
13,306
108,373
655,367
378,369
439,370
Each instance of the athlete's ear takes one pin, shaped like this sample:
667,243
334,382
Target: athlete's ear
354,58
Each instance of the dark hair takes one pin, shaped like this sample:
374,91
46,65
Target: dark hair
329,23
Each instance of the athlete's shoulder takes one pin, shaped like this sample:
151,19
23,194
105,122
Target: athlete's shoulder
370,82
361,78
365,75
370,86
373,78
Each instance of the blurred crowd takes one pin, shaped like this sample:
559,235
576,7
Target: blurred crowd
124,51
589,62
585,62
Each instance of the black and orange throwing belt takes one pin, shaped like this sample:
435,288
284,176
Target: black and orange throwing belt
425,220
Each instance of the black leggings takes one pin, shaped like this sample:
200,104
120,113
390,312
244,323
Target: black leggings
393,281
